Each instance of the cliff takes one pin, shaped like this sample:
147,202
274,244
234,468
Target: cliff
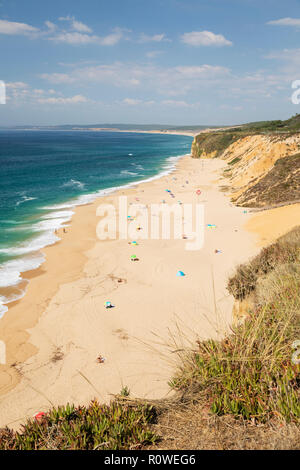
263,166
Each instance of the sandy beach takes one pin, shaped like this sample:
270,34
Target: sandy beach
56,332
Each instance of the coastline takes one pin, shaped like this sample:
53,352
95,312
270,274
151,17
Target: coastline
16,286
54,334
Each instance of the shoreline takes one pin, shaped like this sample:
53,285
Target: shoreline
54,333
72,204
11,320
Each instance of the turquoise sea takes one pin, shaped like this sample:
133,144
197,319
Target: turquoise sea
45,174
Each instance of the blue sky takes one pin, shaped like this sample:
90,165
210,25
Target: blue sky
140,61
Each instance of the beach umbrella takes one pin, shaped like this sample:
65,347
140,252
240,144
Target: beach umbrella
108,304
39,416
133,257
198,192
180,274
134,243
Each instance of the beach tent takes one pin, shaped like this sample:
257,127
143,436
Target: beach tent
134,243
180,273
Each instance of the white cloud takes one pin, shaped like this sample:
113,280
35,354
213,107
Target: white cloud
51,26
154,38
12,28
76,25
61,100
290,63
167,81
152,54
204,38
16,85
131,101
285,22
201,71
20,92
136,102
17,91
81,27
74,38
58,77
77,38
176,103
76,33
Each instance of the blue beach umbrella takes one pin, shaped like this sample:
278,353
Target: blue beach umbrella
180,274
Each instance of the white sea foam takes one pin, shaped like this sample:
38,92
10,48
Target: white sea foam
10,271
137,166
34,244
25,199
7,300
67,205
59,215
76,183
10,276
128,173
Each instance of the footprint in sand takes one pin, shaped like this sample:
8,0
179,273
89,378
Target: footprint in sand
122,334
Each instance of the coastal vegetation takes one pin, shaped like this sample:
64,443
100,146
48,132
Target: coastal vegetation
214,143
239,392
119,426
250,373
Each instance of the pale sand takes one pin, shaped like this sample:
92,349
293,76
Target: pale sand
272,224
64,304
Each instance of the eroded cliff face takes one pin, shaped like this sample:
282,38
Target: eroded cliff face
252,170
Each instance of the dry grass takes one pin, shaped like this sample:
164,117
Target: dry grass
285,251
191,426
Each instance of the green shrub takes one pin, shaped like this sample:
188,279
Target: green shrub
119,426
285,250
250,374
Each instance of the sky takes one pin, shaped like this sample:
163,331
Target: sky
175,62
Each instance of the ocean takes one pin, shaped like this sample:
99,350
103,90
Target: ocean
45,174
